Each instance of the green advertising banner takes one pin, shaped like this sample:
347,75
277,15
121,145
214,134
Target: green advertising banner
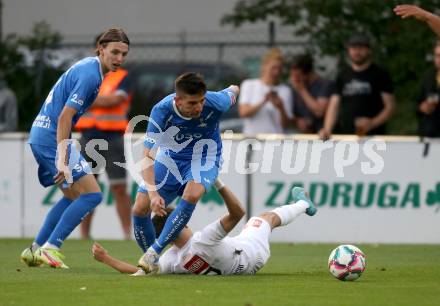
366,191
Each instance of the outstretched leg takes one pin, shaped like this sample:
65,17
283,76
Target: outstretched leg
285,214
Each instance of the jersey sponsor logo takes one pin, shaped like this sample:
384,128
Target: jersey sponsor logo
166,141
42,121
75,99
188,136
171,141
197,265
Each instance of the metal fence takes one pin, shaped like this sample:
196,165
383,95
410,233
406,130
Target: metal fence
224,58
238,48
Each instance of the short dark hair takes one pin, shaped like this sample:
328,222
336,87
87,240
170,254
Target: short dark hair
190,83
303,62
111,35
159,222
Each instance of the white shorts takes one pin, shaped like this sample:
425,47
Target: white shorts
255,235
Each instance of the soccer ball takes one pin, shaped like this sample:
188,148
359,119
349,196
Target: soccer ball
346,262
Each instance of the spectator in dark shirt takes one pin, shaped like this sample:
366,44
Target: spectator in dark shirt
363,100
428,99
310,94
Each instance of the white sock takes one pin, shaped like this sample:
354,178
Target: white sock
218,184
288,213
34,246
48,245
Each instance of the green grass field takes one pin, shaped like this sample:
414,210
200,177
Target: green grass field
295,275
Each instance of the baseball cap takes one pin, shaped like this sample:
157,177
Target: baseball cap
359,40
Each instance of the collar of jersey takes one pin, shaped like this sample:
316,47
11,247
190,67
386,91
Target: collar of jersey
178,113
100,68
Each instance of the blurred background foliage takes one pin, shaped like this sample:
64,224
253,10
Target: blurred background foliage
25,64
403,47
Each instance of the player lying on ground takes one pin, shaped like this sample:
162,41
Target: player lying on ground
407,10
185,127
58,160
211,251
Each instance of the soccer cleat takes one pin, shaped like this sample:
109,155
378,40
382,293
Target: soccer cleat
52,257
30,258
299,194
149,262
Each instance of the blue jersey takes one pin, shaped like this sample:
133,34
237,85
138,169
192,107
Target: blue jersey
170,131
76,88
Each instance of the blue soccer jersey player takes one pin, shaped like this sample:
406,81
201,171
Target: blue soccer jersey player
58,160
183,155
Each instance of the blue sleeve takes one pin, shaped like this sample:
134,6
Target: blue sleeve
156,125
83,91
221,100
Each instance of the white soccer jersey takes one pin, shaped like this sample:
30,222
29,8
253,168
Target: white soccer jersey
212,252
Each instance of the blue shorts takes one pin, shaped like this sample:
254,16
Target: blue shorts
171,179
46,159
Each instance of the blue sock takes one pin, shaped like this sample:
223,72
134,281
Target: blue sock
73,216
51,220
175,223
144,231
